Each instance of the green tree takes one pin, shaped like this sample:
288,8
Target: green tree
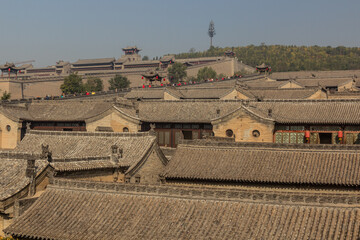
118,82
177,72
93,85
72,84
6,96
206,73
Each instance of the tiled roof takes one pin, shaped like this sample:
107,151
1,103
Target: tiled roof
94,61
204,93
184,111
81,164
291,93
327,82
13,173
265,163
57,110
88,145
322,112
146,94
84,210
316,74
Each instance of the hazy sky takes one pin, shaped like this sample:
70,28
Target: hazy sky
49,30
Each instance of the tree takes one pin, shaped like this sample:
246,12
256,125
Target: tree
192,50
93,85
177,72
6,96
211,31
145,58
72,84
118,82
206,73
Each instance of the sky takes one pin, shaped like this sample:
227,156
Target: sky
47,30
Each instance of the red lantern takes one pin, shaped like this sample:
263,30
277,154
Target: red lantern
162,84
157,77
307,134
164,79
340,134
222,78
19,71
143,86
9,69
149,85
142,77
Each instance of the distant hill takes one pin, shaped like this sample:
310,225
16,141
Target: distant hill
290,58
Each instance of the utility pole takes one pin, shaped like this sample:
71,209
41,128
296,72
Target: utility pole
211,31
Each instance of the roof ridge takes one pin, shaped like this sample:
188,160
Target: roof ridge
274,195
266,145
17,155
93,134
77,159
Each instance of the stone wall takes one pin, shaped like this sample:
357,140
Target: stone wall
226,67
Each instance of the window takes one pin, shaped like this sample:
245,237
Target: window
229,133
125,129
137,179
8,128
256,133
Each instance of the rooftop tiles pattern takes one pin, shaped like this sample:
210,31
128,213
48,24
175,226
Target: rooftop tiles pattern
258,164
184,111
13,175
64,213
316,112
86,144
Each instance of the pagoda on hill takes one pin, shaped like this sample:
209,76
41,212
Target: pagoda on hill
152,76
131,50
229,53
263,68
10,68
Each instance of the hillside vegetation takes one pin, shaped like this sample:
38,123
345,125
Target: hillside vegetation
290,58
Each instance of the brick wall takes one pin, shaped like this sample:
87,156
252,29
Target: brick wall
243,124
114,120
9,138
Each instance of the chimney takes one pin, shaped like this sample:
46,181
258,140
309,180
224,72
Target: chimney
270,112
217,112
114,154
31,174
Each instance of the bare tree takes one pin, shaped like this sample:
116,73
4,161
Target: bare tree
211,31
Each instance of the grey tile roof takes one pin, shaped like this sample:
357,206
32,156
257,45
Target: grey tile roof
265,163
94,61
292,93
184,111
328,82
85,145
13,174
57,110
204,93
85,210
157,93
301,112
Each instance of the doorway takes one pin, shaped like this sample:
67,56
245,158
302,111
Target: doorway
187,135
325,138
